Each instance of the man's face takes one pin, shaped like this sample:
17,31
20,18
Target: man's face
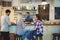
8,14
27,15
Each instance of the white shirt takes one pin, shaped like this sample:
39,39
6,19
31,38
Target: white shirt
5,23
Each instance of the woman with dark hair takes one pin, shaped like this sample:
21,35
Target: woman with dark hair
38,30
38,16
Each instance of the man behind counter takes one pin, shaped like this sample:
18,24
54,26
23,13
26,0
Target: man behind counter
28,19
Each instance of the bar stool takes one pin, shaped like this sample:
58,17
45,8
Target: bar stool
19,37
1,37
56,36
38,37
59,36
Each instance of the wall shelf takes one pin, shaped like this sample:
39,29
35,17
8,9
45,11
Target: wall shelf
24,10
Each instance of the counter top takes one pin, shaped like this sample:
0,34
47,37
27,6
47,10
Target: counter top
43,24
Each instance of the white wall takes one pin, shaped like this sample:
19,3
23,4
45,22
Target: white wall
15,3
57,2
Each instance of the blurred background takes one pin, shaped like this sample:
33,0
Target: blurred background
49,10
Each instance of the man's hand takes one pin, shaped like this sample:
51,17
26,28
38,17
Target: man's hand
27,22
32,23
13,23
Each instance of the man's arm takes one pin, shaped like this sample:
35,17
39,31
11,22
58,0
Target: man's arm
8,20
31,20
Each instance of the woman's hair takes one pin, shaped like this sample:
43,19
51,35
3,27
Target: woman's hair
28,12
19,16
39,17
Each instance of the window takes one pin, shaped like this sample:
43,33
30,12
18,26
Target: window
57,12
43,11
6,3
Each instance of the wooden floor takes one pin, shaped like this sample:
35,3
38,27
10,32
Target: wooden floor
12,37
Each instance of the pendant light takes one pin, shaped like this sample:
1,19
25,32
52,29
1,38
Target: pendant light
44,2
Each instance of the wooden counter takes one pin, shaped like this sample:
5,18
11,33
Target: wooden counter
1,37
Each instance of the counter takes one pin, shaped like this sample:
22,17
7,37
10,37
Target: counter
12,29
48,30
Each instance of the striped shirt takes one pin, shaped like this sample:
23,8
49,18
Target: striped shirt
39,27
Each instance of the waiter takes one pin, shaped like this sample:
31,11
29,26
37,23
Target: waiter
5,24
28,19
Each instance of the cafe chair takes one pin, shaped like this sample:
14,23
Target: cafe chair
1,37
19,37
56,36
38,37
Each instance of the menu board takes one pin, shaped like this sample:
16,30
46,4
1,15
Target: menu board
57,12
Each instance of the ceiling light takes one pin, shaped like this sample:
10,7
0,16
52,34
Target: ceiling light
18,8
44,2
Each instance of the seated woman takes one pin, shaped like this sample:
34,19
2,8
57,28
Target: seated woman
38,29
20,27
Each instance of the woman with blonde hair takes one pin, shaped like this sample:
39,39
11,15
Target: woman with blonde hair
20,28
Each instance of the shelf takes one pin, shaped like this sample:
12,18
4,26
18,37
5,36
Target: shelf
25,10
